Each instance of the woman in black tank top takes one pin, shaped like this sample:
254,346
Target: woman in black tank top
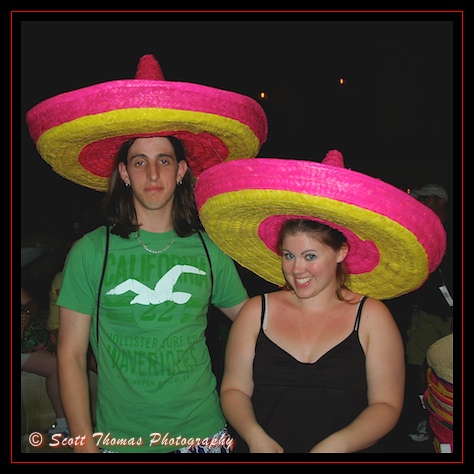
313,367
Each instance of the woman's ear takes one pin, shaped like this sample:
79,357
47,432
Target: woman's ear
342,253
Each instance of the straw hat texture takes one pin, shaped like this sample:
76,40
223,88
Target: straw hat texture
439,357
80,132
395,241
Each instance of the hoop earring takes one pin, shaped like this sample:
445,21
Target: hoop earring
127,185
179,183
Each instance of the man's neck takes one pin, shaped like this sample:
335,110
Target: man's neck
155,221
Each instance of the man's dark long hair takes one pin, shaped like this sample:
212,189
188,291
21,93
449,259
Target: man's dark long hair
119,209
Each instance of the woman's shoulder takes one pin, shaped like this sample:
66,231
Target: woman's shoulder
376,317
369,303
374,306
248,320
254,304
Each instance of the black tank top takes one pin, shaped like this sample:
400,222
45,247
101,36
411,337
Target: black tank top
299,404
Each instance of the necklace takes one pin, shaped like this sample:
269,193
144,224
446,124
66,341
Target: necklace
155,251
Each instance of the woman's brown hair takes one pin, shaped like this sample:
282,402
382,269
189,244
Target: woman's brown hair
325,234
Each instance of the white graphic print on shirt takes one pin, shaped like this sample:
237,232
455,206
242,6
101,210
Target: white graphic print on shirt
163,290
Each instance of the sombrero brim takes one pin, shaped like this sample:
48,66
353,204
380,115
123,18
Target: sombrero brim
395,241
79,133
440,358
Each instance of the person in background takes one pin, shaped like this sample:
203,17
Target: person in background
53,315
53,293
38,357
317,366
139,287
432,308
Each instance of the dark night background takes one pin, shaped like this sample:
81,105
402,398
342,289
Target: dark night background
393,119
398,116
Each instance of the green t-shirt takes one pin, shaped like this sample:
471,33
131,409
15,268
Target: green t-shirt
156,388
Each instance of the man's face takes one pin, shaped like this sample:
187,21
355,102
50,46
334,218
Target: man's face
432,201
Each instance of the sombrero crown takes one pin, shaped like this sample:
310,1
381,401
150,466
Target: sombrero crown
79,133
395,241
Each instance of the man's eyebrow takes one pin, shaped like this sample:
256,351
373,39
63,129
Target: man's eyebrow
159,155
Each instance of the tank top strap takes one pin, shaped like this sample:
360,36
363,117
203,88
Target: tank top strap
359,312
263,317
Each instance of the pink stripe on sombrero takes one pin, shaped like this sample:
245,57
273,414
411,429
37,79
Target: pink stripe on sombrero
436,411
63,146
443,433
332,182
208,145
444,403
363,256
232,220
135,93
443,386
441,403
78,133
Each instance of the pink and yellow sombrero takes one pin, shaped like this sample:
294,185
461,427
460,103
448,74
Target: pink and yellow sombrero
79,133
395,241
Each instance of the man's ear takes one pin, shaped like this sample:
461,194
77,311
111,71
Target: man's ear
182,168
122,169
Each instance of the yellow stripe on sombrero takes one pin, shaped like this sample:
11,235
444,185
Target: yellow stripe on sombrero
60,146
403,264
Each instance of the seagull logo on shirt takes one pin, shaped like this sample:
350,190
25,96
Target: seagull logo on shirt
163,290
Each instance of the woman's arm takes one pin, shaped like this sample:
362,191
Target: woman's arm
73,342
237,383
385,364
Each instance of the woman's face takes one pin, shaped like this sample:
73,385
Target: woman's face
309,265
